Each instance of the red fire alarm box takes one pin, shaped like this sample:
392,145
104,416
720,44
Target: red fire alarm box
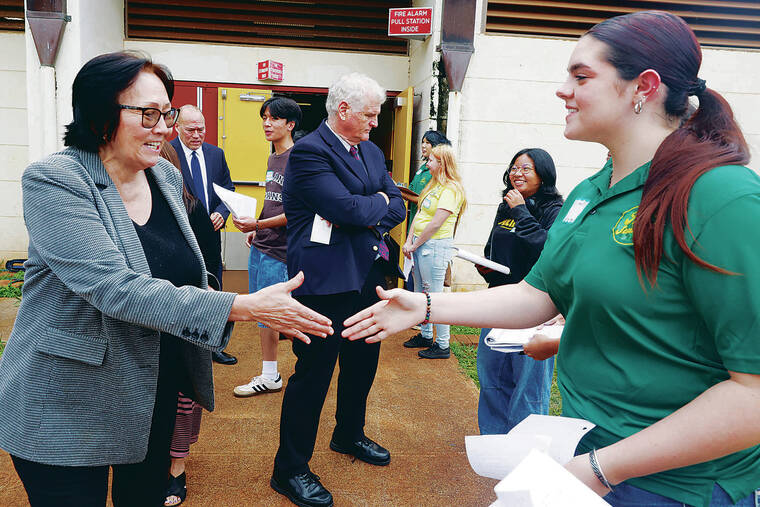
411,22
270,70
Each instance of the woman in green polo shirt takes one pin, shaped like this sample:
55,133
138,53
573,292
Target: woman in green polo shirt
651,264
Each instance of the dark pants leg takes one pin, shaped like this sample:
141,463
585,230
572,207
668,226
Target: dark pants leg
307,387
145,483
53,486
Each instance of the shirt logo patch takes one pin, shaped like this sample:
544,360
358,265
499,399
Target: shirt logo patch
575,210
622,233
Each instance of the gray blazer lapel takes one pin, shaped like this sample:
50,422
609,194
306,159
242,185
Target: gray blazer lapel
126,236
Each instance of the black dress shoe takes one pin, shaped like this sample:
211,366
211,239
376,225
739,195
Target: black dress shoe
223,358
304,490
364,449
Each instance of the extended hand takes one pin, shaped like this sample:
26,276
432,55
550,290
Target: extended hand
245,224
398,310
514,198
217,220
274,307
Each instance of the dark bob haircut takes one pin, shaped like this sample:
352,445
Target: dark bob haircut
95,96
283,108
545,169
435,138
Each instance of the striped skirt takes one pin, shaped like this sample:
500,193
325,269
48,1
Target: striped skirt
187,426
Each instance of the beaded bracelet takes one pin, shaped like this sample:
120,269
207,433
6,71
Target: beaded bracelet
427,310
598,470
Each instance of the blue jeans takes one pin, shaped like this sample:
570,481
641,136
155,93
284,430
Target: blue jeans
264,271
512,386
626,495
430,263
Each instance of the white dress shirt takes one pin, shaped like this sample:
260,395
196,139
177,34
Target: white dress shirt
189,158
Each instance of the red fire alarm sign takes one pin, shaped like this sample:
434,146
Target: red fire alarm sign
413,23
271,70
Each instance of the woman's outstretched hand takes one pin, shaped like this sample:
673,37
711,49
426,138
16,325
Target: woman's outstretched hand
398,310
274,307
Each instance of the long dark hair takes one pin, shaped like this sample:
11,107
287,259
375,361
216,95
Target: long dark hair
544,165
709,138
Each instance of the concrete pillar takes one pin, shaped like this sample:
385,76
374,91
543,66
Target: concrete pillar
96,26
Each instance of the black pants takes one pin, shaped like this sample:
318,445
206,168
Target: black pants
307,387
138,484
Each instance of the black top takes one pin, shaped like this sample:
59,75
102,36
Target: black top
170,258
517,237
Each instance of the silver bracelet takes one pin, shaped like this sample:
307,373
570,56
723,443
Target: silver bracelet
598,470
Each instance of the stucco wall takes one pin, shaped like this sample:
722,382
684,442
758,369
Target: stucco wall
303,67
13,144
509,103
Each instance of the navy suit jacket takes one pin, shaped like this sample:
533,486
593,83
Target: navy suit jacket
216,172
324,179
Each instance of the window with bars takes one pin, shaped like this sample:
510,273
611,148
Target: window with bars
356,25
724,23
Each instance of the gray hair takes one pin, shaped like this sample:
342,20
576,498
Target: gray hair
357,90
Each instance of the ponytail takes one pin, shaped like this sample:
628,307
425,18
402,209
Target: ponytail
710,138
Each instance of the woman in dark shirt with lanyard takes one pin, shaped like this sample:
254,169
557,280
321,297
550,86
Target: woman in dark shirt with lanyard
513,386
652,265
115,319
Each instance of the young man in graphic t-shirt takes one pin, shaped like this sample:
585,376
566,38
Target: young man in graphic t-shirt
267,237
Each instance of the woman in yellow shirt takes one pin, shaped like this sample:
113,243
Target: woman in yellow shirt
431,241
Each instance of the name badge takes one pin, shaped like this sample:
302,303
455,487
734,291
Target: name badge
321,230
575,210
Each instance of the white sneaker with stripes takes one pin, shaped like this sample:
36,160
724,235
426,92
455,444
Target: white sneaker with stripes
258,385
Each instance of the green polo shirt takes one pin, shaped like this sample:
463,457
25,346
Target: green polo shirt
418,184
629,356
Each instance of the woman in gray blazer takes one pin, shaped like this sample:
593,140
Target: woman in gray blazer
116,317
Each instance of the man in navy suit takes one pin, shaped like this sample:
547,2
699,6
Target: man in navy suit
202,165
340,203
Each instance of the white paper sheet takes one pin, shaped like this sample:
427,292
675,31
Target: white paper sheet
239,205
477,259
539,481
495,456
321,230
408,265
512,340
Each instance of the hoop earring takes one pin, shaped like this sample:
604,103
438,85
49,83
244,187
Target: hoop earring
637,107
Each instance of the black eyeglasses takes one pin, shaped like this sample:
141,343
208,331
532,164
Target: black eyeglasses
150,115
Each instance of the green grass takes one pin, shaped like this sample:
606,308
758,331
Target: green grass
12,290
465,330
2,347
467,356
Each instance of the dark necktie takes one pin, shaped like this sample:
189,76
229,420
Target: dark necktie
195,170
382,248
355,153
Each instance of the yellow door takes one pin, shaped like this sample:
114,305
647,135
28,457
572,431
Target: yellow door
241,136
402,154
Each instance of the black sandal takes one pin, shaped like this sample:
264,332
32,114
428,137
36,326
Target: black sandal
177,486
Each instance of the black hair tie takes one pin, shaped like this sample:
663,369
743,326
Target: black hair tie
699,88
